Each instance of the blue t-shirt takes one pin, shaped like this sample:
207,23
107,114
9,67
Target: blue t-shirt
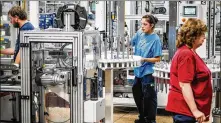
26,26
146,46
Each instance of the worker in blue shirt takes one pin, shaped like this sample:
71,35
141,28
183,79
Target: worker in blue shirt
18,18
148,45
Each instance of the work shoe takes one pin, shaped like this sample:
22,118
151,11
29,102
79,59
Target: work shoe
139,121
149,121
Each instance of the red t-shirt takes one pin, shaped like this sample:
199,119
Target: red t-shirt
188,67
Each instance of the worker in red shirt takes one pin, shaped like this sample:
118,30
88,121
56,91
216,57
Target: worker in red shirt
190,94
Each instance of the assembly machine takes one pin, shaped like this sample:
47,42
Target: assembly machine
58,61
56,57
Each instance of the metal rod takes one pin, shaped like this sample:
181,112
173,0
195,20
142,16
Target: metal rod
94,51
214,28
131,50
100,39
209,28
118,46
71,97
80,79
128,46
42,102
111,46
10,87
123,46
172,27
105,48
110,27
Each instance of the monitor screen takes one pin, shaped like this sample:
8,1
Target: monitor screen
189,10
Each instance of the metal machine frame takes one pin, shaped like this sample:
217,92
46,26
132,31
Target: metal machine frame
76,84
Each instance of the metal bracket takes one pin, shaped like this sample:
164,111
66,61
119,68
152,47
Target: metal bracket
24,97
24,44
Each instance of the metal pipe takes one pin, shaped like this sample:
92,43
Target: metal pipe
214,28
209,28
42,102
100,84
110,28
10,87
111,46
123,47
80,80
118,46
128,46
100,39
29,87
172,27
131,49
105,48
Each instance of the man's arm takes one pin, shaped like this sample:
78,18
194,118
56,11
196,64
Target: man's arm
189,98
153,60
188,95
8,51
18,58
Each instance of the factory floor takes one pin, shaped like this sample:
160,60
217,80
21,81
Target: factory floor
128,115
121,115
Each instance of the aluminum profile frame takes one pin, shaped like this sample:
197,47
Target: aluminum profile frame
76,97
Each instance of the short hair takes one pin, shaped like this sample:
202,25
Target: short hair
190,30
18,11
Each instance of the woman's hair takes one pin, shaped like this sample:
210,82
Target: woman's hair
18,11
151,19
190,31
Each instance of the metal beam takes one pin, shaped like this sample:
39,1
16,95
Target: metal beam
120,18
214,28
138,17
209,29
172,28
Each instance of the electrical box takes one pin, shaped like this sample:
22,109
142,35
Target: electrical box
94,111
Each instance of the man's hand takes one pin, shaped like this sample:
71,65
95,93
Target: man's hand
200,117
142,60
18,58
8,51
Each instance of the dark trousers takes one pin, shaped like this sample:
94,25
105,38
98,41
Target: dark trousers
179,118
145,98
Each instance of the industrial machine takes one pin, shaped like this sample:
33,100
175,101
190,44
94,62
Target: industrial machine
58,62
53,58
